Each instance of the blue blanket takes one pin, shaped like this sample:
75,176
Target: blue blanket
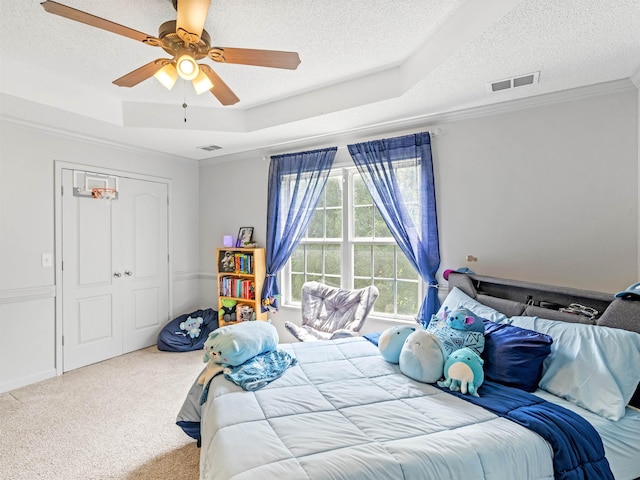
579,453
256,372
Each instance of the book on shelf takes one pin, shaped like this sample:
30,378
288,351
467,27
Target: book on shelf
236,262
237,288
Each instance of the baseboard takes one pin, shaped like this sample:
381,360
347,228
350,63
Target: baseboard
24,381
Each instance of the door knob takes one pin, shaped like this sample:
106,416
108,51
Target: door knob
117,274
128,273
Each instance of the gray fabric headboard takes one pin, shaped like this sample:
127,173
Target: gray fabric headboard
515,297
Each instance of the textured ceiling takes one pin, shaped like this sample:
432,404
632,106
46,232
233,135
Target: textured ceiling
364,64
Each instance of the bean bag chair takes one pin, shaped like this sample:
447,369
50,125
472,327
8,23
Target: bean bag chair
188,332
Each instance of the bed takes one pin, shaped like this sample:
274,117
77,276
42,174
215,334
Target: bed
343,412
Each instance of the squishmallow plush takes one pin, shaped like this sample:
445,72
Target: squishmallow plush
463,372
235,344
422,357
460,328
391,341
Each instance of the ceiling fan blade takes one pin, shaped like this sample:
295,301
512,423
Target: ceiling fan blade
140,74
220,89
87,18
192,14
260,58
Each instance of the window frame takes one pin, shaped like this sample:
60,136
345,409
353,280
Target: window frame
346,175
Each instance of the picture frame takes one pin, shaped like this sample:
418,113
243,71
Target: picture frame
245,234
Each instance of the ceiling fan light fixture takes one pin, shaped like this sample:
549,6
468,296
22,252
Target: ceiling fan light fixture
202,83
187,67
167,76
192,15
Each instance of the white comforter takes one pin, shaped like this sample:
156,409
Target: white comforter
345,413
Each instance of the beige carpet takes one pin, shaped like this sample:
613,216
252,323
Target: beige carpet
111,420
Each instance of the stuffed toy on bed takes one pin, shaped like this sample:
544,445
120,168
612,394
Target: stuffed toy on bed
233,345
391,341
422,357
463,372
459,328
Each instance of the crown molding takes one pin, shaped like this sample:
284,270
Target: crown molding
89,139
425,121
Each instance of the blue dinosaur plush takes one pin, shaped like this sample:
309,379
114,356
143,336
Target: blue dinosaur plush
192,326
422,357
459,328
391,341
463,372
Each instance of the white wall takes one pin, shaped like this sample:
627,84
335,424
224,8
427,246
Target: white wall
28,291
547,194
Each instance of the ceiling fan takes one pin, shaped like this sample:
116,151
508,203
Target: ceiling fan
187,42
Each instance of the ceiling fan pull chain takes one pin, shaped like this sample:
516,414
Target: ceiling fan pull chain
184,100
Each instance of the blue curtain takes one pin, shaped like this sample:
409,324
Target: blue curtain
398,173
296,182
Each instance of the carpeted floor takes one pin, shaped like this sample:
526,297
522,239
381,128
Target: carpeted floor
111,420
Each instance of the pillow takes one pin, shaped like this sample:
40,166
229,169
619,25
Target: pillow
513,356
593,367
458,299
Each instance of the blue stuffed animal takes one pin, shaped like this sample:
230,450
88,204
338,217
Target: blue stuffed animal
235,344
192,326
459,328
391,341
463,372
422,357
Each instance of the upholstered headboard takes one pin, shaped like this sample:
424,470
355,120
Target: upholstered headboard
515,297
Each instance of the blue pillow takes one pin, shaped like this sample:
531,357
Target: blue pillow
514,356
591,366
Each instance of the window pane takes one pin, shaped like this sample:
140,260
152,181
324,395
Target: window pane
334,223
316,227
362,222
381,229
314,259
361,282
405,270
385,301
333,281
297,259
332,260
296,286
333,192
360,193
314,278
362,261
383,261
408,298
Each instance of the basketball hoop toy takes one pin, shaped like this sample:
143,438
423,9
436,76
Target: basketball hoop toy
103,193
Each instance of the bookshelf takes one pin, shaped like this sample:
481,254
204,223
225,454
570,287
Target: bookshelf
241,273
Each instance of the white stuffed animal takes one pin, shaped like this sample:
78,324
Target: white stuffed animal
422,357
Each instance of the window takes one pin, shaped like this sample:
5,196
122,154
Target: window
348,245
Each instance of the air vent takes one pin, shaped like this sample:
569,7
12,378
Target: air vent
520,81
210,148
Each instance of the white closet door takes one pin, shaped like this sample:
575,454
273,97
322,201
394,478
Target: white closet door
143,261
115,271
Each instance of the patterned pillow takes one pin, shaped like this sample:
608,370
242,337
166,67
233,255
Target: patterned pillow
453,339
